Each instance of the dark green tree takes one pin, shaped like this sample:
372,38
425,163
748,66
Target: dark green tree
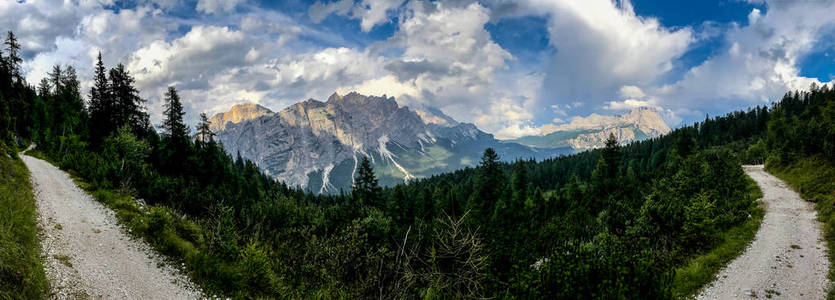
128,106
101,104
173,126
204,130
366,191
13,60
488,187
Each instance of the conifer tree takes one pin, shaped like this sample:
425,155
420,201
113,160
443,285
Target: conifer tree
44,88
56,78
101,104
605,175
173,124
204,131
13,61
128,107
488,185
366,191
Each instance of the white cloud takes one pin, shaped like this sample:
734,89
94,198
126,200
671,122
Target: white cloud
217,6
631,91
602,47
604,56
374,12
319,11
627,104
760,63
370,12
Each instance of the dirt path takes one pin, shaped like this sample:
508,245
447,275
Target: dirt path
87,253
787,259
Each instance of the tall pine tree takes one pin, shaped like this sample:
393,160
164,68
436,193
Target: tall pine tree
128,105
173,125
175,133
101,105
14,60
366,191
488,186
204,131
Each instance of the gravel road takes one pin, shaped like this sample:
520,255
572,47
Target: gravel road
786,260
88,255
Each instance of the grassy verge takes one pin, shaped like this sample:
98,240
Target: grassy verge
702,269
814,179
21,265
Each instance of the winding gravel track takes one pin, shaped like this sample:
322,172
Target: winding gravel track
87,254
786,260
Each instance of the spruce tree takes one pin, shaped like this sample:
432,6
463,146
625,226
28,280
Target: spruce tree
488,186
101,104
44,88
56,78
13,61
204,131
173,124
366,191
128,107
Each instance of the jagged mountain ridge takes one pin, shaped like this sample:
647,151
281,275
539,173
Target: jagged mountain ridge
317,145
237,114
592,131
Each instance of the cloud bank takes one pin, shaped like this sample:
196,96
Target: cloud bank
600,56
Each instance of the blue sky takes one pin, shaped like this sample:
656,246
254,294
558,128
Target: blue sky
510,67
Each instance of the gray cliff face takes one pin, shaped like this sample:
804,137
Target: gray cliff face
317,145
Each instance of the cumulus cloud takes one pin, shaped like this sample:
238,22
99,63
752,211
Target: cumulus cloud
601,55
370,12
759,62
217,6
601,47
319,11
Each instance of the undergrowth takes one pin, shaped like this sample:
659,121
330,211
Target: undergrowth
702,269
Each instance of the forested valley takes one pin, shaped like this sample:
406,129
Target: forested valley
617,222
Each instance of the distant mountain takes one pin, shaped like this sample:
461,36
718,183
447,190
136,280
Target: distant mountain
317,145
237,114
592,131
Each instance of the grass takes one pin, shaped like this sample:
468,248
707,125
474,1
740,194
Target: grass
814,179
64,259
21,266
702,269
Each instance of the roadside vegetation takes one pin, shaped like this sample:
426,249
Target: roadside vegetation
702,269
651,219
21,265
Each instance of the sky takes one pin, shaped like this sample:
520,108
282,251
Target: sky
510,67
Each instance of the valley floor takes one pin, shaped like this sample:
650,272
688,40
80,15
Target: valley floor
787,258
87,254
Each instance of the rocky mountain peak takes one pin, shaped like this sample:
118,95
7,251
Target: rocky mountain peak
237,114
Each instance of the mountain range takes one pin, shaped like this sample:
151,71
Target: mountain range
592,131
317,145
